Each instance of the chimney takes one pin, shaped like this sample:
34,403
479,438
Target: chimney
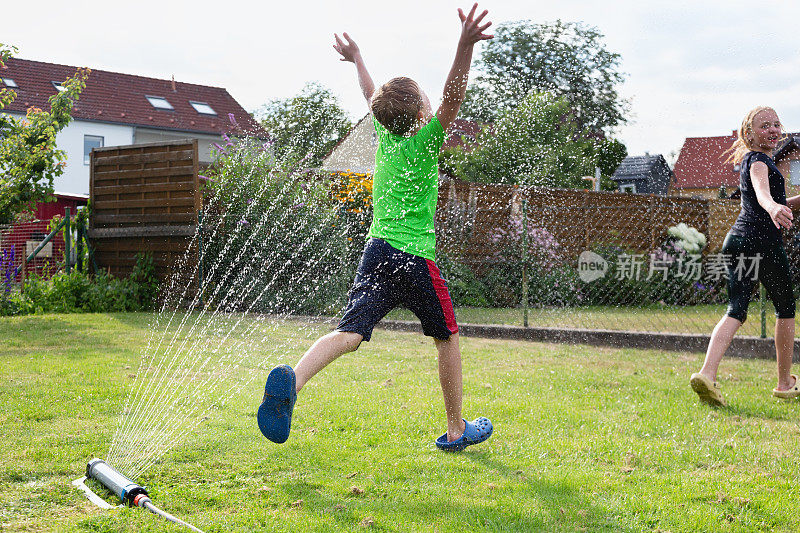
173,84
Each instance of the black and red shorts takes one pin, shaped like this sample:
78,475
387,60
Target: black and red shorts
388,278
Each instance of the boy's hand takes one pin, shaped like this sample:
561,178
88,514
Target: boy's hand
348,51
471,28
455,86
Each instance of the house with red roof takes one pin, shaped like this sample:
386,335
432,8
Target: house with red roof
123,109
702,168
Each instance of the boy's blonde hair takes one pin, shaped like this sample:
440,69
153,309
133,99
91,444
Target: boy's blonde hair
745,141
396,104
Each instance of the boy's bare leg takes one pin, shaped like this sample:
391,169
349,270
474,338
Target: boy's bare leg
720,341
323,352
784,347
450,379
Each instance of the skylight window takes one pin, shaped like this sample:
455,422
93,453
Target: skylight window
8,82
159,102
58,86
203,108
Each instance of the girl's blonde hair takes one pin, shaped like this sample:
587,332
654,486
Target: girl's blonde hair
745,142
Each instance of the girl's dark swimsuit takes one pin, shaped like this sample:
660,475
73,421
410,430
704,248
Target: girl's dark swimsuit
754,247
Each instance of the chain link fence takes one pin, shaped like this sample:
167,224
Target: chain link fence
18,240
590,260
566,259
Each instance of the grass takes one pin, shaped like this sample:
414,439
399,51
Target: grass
586,439
686,319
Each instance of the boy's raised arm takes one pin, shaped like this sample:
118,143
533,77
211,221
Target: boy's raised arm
455,87
350,52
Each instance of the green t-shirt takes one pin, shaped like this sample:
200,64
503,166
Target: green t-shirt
405,188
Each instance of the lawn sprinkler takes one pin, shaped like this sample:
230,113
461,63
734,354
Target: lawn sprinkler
128,491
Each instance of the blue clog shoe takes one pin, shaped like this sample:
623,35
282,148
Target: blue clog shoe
475,432
275,412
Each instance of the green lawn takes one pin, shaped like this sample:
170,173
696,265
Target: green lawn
687,319
586,439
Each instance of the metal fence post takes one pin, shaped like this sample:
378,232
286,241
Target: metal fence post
200,254
67,239
762,295
79,246
524,262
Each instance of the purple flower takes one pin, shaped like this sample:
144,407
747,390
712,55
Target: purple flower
249,201
232,119
8,269
244,222
298,206
219,148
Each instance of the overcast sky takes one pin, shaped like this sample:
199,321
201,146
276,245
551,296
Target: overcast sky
693,68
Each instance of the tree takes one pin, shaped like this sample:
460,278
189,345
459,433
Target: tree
538,143
566,59
29,158
306,126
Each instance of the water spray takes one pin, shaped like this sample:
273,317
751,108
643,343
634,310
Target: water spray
128,491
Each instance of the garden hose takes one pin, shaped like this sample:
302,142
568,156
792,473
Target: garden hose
127,490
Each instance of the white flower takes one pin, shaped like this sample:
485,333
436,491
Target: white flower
688,238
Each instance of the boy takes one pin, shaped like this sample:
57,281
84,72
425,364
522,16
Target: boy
397,264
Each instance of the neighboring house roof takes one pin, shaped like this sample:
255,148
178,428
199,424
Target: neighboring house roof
116,98
639,167
356,150
702,163
789,145
461,132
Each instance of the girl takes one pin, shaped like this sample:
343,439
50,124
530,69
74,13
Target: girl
754,247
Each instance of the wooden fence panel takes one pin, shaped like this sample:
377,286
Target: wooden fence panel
145,198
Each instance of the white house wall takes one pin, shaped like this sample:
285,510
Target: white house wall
75,179
356,152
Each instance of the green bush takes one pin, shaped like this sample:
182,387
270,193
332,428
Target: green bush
79,292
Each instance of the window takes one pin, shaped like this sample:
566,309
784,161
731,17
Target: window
628,188
159,102
8,82
203,108
794,171
59,87
90,142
